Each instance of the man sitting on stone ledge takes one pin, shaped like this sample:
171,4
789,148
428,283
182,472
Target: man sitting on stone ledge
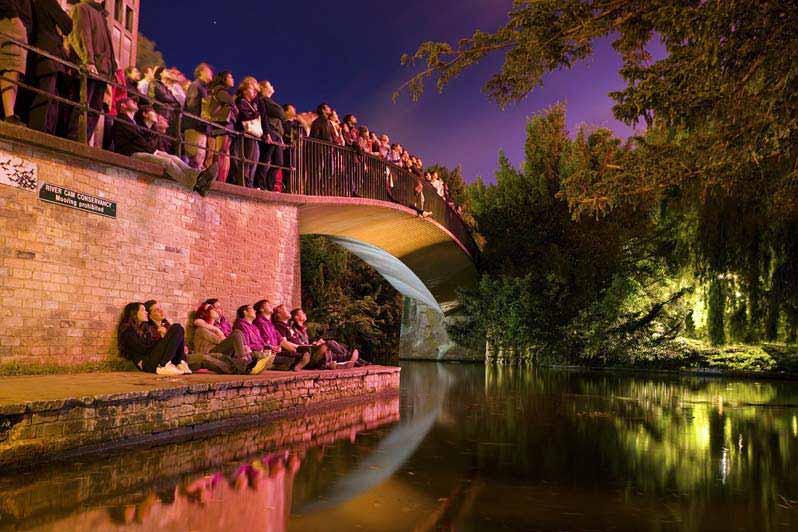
140,141
288,355
340,357
252,338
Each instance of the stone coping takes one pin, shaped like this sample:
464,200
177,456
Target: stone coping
44,393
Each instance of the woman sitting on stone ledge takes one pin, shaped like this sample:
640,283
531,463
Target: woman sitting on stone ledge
158,326
150,354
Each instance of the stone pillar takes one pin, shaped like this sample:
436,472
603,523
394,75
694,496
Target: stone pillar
424,336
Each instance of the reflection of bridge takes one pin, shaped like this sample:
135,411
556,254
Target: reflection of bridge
424,258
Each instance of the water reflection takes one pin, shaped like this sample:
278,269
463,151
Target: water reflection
475,449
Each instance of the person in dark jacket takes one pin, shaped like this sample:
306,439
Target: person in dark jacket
219,108
132,80
321,128
51,25
149,354
139,140
90,40
158,327
245,151
196,132
129,136
16,21
162,98
271,153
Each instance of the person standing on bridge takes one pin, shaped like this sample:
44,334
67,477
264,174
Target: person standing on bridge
196,132
91,41
16,21
322,127
51,26
269,174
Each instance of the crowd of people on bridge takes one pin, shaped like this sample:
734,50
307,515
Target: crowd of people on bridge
199,131
263,336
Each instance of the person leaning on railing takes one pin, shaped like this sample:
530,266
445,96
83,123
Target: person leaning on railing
196,132
162,98
16,22
246,149
269,174
91,41
218,107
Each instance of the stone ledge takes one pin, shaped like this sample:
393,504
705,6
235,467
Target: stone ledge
52,423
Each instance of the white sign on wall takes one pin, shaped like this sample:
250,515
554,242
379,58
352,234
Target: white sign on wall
16,172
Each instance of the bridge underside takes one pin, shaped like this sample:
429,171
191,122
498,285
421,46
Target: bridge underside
416,255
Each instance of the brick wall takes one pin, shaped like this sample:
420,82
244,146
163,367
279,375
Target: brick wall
65,274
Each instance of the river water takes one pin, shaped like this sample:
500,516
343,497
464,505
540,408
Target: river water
464,448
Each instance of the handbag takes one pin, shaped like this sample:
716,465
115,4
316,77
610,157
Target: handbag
253,127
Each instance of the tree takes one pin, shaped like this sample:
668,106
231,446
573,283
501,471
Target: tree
593,288
147,53
346,300
721,148
724,97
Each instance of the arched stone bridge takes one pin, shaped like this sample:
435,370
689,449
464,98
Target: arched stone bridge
425,257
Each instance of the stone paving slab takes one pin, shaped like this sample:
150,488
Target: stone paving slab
30,390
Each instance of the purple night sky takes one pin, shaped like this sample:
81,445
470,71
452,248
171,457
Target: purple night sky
347,53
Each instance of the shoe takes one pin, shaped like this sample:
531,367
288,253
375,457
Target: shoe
259,366
168,370
304,361
15,120
183,366
206,178
346,365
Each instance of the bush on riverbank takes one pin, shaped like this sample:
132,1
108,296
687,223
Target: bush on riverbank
683,353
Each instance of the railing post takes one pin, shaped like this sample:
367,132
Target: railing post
179,132
83,123
299,144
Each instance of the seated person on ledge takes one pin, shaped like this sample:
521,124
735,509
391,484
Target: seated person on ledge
158,326
221,323
136,343
213,349
141,142
341,358
321,358
252,339
289,355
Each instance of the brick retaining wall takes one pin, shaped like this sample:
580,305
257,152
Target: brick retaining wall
66,274
42,430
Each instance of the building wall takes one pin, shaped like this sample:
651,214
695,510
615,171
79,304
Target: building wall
123,21
65,274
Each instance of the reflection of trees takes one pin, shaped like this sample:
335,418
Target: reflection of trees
693,439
